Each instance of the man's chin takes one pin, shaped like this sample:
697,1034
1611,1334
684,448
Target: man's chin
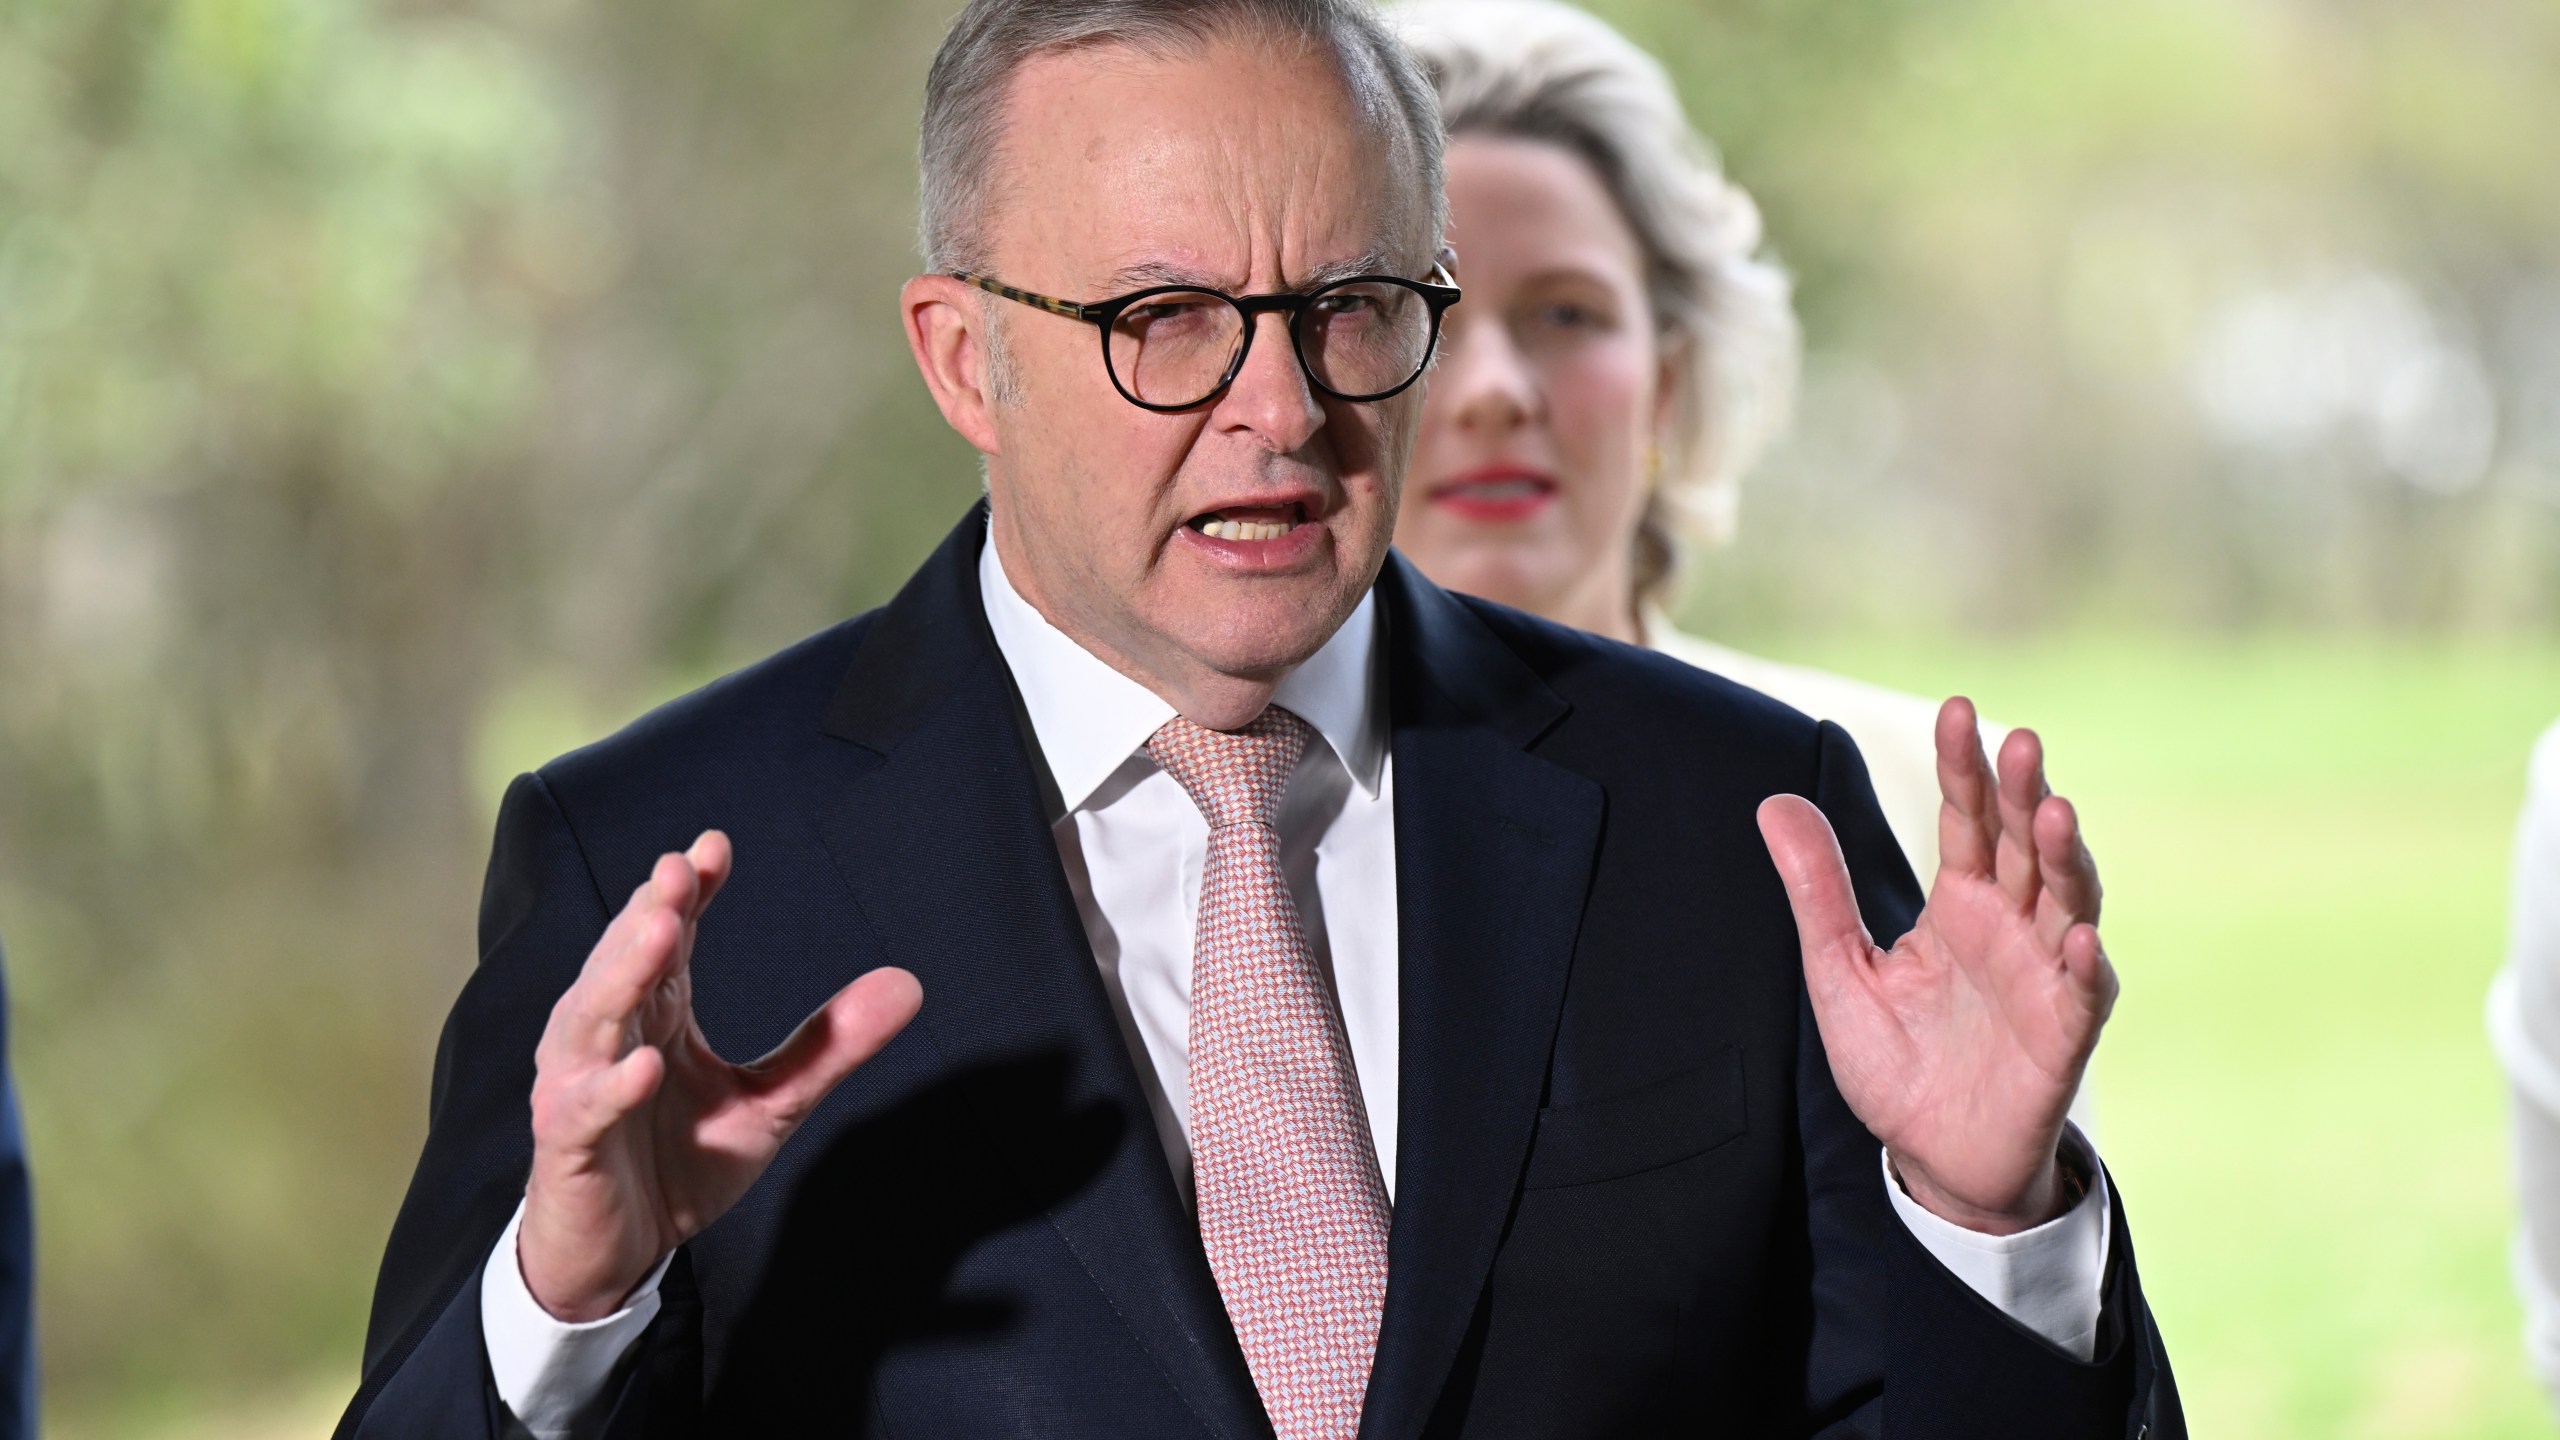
1265,659
1262,641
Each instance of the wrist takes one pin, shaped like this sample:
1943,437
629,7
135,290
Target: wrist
573,1283
2047,1196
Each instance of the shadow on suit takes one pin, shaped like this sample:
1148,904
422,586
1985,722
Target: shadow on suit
855,1226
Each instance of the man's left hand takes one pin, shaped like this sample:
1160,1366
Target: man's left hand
1961,1047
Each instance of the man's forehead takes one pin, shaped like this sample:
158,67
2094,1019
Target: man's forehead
1211,166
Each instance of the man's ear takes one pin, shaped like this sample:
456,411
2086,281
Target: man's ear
945,326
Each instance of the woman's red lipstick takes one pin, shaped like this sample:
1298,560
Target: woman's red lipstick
1495,494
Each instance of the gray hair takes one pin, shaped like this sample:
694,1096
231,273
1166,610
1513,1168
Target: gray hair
1541,70
964,94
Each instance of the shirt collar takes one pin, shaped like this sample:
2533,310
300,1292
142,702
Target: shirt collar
1090,718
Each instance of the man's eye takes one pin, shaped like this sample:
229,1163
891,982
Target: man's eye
1346,305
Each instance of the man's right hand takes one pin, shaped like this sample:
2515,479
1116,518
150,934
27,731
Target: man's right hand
642,1134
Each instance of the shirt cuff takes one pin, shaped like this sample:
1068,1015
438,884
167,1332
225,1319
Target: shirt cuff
2050,1279
550,1372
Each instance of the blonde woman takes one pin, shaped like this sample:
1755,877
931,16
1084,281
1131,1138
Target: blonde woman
1623,356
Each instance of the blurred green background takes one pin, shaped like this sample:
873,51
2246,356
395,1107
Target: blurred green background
394,394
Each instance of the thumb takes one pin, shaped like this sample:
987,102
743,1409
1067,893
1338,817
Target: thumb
1807,855
849,1029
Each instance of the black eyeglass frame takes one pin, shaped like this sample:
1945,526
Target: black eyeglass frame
1437,294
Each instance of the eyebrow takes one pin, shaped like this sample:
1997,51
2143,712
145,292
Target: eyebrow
1141,274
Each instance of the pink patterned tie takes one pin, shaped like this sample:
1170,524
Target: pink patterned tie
1292,1210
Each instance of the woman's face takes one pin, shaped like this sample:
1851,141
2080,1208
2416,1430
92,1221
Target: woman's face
1528,478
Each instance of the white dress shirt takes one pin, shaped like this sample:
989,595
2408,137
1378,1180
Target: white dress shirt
1134,845
2524,1027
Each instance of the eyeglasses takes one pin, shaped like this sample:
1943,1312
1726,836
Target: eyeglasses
1178,347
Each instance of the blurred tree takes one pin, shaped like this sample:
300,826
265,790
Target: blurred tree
2025,234
274,279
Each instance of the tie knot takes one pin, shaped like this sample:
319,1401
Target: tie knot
1234,776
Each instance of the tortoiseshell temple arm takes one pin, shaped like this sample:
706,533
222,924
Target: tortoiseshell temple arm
1068,308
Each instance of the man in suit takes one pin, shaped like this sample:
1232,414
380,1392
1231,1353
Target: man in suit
18,1390
1340,1008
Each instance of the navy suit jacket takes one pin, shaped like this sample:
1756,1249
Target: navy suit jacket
17,1258
1629,1200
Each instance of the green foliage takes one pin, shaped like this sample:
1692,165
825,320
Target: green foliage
273,277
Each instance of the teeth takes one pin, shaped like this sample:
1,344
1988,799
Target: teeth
1247,529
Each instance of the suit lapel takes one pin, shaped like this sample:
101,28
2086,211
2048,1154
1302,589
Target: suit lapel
945,845
1494,848
1494,851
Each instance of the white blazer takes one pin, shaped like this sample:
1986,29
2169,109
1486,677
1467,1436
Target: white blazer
2524,1027
1897,734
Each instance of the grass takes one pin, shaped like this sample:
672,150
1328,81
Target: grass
2306,847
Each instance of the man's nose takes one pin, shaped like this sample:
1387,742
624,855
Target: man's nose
1485,380
1271,396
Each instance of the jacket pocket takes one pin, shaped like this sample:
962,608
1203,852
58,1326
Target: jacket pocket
1661,1124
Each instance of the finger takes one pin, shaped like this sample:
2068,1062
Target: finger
591,1022
844,1032
2071,890
596,1102
677,882
1968,826
2021,790
651,939
712,859
674,884
622,1087
2093,978
618,930
1807,855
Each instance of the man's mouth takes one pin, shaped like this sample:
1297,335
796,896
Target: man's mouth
1250,522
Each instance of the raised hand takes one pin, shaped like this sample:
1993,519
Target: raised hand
642,1135
1962,1046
